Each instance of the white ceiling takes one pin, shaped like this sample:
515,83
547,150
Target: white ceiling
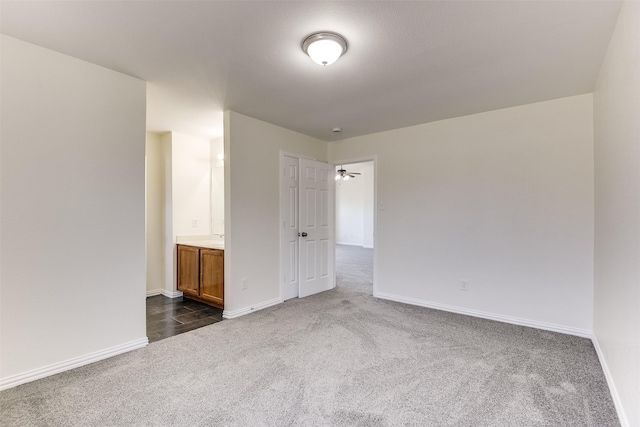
407,63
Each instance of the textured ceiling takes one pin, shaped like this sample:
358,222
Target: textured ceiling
408,62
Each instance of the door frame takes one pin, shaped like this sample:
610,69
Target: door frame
347,161
335,162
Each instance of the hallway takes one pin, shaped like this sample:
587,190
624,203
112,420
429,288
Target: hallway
354,268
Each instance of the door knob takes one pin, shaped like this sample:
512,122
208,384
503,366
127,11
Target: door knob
303,234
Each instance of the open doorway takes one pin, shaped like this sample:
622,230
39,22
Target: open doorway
184,233
355,226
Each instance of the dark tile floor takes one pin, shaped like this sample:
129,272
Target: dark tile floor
167,317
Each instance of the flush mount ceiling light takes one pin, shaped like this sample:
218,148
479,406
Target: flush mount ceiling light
324,48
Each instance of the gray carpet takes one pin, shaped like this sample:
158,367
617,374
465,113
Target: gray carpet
354,268
340,358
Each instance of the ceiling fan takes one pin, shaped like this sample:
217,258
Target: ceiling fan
344,175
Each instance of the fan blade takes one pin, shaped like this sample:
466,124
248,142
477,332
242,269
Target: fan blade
354,173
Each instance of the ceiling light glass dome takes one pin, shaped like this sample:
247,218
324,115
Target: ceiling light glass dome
324,48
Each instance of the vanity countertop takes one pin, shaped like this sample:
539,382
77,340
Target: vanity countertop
210,244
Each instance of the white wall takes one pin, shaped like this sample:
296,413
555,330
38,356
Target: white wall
252,206
155,212
217,187
350,212
72,253
502,199
617,213
354,207
369,205
191,184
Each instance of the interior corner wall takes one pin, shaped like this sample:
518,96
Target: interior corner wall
354,207
350,212
617,214
252,205
191,184
72,177
186,196
217,186
154,212
502,200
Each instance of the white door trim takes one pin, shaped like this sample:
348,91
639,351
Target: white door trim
374,159
297,156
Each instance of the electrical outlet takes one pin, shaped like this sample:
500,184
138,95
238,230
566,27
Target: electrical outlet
465,285
245,284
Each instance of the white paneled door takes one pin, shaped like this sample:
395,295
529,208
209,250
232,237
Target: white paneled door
289,240
316,227
307,197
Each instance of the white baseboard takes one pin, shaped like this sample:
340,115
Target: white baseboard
170,294
354,244
622,416
226,314
585,333
76,362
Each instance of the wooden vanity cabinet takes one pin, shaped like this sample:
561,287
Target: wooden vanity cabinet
201,274
212,276
189,270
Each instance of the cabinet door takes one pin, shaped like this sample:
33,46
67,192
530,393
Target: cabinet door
188,268
212,276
